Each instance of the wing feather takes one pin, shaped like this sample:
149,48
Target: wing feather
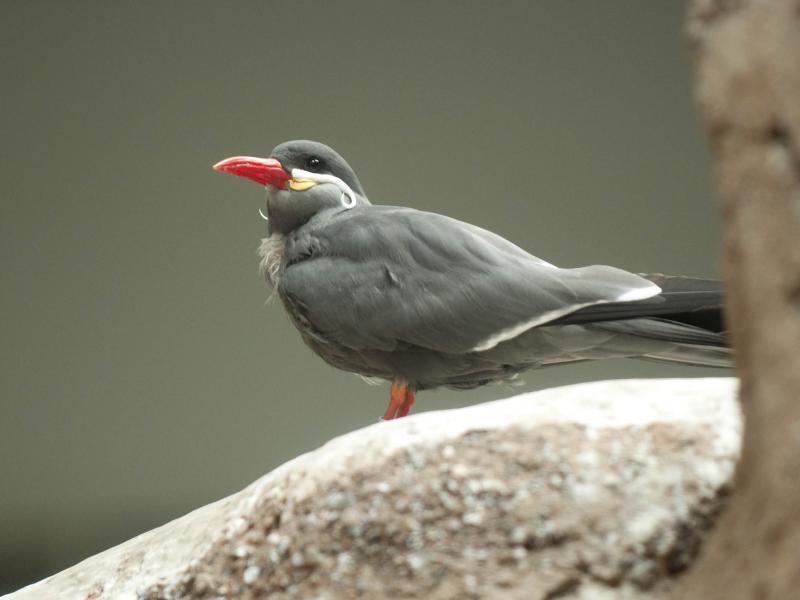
381,277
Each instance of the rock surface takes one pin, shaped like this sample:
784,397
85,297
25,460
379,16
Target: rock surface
601,490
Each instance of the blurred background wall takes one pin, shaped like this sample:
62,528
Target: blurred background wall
142,373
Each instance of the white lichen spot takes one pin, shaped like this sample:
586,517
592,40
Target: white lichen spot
344,562
250,574
338,500
415,562
493,486
471,583
518,535
448,501
476,554
646,524
474,486
473,518
460,470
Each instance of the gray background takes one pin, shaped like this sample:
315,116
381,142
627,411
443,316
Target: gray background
142,373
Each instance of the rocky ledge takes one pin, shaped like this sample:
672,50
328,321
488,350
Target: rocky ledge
602,490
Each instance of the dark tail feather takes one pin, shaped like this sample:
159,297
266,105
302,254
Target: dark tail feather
686,300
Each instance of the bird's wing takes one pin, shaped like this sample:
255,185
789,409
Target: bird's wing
379,277
686,300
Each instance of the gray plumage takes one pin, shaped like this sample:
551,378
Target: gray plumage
413,296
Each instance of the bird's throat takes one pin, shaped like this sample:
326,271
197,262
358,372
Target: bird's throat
271,252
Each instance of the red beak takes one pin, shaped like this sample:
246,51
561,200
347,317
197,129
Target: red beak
266,171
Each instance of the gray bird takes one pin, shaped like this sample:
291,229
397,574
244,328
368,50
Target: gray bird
423,300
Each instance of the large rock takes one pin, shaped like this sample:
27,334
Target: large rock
601,490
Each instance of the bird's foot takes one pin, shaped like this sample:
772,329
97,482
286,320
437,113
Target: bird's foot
401,399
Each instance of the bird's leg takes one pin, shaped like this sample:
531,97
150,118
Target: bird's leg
408,402
401,397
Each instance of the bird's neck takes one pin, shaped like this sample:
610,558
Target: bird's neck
271,252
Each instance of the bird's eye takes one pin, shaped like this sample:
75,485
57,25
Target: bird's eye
313,163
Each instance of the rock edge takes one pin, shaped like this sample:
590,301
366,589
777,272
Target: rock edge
598,490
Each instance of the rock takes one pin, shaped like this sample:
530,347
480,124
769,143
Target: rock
600,490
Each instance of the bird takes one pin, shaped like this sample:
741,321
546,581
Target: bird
424,301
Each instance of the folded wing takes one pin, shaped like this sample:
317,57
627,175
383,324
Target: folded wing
380,277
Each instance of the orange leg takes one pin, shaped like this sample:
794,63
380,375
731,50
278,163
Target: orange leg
408,402
401,398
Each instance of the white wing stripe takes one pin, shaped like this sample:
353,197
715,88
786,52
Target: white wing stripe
638,293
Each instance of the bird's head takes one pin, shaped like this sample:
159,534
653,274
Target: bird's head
302,178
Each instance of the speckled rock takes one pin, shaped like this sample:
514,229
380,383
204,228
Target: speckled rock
593,491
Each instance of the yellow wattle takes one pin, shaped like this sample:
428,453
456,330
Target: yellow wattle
299,185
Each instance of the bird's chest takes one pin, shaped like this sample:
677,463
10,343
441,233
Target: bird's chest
279,258
277,252
323,345
271,252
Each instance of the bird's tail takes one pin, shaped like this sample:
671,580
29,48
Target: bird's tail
678,341
686,317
